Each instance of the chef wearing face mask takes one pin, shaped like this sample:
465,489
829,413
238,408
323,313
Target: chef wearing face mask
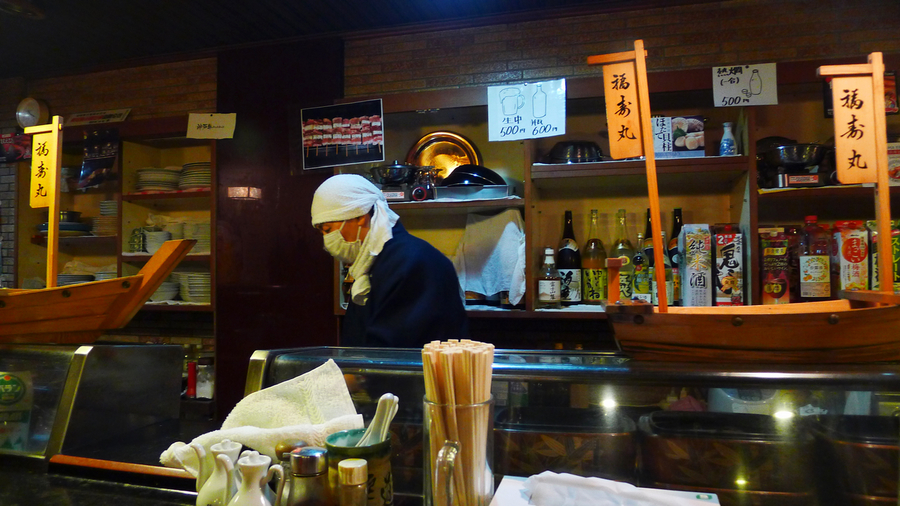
405,293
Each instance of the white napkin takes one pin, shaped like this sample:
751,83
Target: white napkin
551,489
308,407
490,257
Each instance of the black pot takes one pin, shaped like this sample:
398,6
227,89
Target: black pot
394,174
472,175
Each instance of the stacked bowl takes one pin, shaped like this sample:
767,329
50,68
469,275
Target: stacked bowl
153,240
195,287
166,291
195,175
106,223
200,232
73,279
158,179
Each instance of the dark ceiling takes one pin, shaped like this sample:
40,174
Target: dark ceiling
50,37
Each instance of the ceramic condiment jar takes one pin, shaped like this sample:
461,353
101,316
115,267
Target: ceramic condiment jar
205,464
255,475
218,489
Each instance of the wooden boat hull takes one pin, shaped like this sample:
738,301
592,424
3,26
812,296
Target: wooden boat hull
79,313
827,332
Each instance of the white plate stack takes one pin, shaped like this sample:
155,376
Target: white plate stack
166,291
200,232
73,279
195,287
153,240
106,223
158,179
195,175
102,276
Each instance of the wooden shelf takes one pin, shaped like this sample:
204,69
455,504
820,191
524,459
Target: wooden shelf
825,192
707,164
462,205
79,241
131,197
564,313
205,308
143,257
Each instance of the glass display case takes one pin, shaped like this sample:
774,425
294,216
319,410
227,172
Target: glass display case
63,399
751,433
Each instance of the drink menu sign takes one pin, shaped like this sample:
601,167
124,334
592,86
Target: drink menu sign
740,85
526,110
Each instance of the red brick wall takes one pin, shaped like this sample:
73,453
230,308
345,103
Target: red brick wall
701,35
150,91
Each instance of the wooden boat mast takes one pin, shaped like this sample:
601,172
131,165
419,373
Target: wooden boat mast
46,163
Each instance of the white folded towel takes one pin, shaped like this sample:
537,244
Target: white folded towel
490,257
308,407
552,489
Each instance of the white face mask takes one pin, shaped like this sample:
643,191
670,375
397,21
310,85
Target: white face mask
339,248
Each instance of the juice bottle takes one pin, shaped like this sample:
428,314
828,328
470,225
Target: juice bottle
814,252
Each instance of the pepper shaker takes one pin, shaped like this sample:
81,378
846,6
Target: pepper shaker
283,452
309,478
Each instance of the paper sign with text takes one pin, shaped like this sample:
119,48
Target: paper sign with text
622,114
526,110
211,126
44,168
854,129
741,85
97,117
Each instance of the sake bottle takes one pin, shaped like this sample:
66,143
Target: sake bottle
593,265
548,283
623,249
641,289
569,264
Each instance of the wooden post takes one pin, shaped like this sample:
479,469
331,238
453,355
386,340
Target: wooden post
639,57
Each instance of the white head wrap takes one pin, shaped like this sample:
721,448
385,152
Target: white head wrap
347,196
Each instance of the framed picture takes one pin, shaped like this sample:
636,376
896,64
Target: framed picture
340,134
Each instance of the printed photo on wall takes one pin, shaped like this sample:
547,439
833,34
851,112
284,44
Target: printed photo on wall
341,134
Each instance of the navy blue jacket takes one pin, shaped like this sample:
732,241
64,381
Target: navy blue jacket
414,298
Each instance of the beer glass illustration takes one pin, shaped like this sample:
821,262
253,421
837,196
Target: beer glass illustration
511,100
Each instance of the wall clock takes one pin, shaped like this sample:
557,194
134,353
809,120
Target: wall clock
31,112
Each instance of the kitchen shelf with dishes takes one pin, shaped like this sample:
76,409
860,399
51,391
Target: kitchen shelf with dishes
709,189
158,174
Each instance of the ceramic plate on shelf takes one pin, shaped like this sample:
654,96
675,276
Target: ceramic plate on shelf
444,151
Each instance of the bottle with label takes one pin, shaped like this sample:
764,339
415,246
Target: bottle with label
815,262
569,264
623,249
648,241
670,287
728,146
593,265
675,257
641,289
548,283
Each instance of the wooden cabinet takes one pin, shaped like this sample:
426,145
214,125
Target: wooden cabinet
710,190
143,143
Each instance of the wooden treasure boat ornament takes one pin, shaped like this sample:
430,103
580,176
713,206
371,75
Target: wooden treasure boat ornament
74,313
861,326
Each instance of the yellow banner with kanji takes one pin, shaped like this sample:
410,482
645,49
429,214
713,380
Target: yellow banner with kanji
622,112
45,163
854,129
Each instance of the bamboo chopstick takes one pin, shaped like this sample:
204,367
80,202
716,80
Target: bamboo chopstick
457,376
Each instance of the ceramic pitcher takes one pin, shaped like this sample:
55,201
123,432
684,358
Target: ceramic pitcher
205,464
255,475
218,489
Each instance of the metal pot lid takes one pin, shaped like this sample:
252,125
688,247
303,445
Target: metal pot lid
445,151
397,165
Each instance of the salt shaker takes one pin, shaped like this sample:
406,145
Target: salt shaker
283,452
309,478
352,478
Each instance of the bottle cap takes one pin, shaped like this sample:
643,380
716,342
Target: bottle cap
283,449
309,461
811,218
352,471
